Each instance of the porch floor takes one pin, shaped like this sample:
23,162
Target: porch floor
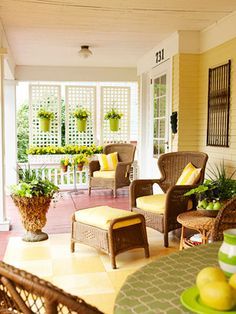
87,272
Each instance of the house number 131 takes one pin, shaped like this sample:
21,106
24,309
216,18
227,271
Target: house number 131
160,56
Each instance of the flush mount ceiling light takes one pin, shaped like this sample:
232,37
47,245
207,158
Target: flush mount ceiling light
85,52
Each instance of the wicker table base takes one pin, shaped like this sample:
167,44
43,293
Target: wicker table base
195,220
114,240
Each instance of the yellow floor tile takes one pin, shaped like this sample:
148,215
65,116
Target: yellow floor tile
40,268
76,265
118,277
87,272
85,284
104,302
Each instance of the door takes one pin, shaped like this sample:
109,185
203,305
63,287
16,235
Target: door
160,112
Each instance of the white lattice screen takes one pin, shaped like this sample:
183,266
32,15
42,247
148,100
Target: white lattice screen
77,97
49,98
116,97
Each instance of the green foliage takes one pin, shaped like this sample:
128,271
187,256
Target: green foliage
113,114
68,149
65,161
81,113
43,113
31,185
219,187
22,132
79,159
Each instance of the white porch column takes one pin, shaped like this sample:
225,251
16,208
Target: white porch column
4,223
10,135
144,123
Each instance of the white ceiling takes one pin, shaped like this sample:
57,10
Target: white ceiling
119,32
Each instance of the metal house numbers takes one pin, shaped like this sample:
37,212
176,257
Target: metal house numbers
160,56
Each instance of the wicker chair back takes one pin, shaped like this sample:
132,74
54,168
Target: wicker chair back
22,292
171,166
226,219
125,151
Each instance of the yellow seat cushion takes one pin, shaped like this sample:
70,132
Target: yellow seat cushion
155,203
189,176
152,203
101,217
108,162
104,174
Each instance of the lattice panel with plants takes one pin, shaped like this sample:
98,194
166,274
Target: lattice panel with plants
78,97
117,98
45,98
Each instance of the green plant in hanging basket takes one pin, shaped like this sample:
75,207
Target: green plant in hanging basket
81,116
45,119
114,117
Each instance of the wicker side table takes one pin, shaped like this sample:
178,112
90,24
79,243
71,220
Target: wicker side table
196,221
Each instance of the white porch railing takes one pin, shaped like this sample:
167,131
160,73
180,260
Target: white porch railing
72,179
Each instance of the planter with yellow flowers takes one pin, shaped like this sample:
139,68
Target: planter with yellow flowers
45,118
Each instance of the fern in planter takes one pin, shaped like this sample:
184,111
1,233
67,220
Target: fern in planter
33,195
219,188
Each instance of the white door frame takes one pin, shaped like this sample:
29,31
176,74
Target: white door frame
163,68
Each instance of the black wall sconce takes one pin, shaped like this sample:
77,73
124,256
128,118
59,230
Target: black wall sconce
174,122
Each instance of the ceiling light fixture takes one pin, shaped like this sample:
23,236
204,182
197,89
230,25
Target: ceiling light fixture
85,52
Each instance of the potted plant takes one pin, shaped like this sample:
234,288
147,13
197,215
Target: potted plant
65,162
114,118
79,161
33,195
215,191
45,118
81,116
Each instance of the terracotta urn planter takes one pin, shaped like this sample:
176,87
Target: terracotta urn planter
33,216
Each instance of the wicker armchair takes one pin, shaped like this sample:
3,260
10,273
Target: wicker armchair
171,166
226,219
125,160
22,292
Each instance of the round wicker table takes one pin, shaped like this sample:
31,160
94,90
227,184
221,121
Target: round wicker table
156,287
197,221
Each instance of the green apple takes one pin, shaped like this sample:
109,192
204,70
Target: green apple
217,205
210,206
203,204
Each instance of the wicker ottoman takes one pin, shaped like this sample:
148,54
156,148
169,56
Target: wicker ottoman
109,229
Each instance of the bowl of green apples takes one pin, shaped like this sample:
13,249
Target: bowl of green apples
209,208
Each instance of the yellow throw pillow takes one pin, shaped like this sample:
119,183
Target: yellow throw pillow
189,176
108,162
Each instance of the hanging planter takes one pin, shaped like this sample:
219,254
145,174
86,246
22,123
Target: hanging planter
45,118
81,125
81,116
65,162
114,124
114,119
44,124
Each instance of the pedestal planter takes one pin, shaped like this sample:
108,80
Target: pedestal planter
33,216
44,124
81,125
114,124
